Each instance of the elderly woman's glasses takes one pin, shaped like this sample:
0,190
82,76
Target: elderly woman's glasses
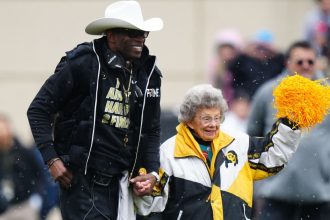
131,33
206,120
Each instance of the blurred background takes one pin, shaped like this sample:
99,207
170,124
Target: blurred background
36,33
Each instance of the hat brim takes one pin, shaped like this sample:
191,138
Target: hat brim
99,26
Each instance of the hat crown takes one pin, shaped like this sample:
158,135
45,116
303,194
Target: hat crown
123,14
129,11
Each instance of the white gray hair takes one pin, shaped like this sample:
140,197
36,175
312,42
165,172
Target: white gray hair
202,96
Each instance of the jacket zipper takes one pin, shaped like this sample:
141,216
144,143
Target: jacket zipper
95,106
180,215
245,213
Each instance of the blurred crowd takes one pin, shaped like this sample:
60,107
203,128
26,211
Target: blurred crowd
239,67
246,70
26,189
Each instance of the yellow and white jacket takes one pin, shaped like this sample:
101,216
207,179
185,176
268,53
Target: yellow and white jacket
190,189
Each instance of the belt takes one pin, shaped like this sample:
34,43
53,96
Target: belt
103,179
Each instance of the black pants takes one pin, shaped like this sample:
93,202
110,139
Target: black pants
269,209
91,197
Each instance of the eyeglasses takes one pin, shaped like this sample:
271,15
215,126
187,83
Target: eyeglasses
206,120
131,33
301,62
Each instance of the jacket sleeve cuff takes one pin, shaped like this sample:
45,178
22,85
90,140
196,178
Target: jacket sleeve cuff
47,152
289,123
155,174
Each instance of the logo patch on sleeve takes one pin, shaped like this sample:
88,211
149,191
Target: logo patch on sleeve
231,157
159,187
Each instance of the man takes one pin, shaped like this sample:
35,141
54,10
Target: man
97,117
302,189
300,59
21,177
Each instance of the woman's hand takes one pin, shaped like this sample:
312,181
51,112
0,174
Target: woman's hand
143,184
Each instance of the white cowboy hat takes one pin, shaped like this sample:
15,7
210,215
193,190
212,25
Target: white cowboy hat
123,14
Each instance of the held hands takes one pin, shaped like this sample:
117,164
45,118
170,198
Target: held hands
143,184
60,173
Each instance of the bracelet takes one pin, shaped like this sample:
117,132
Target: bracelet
156,176
52,161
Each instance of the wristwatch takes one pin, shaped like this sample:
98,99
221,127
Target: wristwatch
155,174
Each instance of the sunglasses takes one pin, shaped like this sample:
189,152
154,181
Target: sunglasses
131,33
301,62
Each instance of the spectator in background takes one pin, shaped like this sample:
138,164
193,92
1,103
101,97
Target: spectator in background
317,32
237,117
302,190
50,192
21,179
259,62
228,44
300,58
168,123
316,27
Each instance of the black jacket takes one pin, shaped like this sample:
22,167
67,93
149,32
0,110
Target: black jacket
62,115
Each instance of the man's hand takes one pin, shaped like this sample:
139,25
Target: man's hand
143,184
61,174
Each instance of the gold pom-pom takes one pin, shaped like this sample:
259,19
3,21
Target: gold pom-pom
302,101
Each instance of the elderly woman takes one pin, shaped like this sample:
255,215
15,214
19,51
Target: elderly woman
208,173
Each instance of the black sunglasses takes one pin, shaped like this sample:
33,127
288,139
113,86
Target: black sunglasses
131,33
301,62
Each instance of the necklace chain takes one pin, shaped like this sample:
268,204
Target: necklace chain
126,91
126,100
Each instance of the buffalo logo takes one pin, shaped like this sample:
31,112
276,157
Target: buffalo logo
231,157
